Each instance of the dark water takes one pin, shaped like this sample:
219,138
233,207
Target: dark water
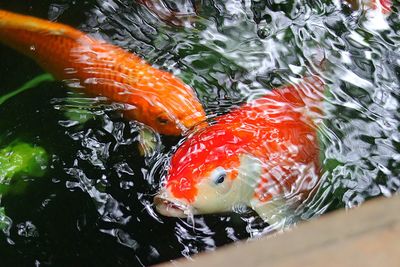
93,206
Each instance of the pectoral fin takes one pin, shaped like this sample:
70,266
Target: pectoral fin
275,212
148,141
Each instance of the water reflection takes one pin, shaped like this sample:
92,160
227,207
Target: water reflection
96,203
179,13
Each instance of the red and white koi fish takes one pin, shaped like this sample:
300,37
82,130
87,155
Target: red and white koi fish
264,154
375,13
383,6
155,97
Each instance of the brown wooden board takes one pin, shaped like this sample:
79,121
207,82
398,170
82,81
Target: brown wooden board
365,236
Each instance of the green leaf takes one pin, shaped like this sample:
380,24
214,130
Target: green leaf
21,158
32,83
4,220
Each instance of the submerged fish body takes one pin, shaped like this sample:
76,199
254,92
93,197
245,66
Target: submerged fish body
382,6
152,96
178,13
376,15
264,154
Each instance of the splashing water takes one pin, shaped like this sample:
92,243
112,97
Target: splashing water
94,205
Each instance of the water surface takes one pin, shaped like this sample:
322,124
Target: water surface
93,206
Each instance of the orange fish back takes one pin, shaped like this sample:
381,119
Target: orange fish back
155,96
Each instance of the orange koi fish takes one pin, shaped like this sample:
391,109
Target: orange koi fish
264,154
152,96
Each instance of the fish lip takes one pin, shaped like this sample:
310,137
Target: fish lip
171,208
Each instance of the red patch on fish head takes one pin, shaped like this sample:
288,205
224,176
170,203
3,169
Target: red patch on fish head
198,156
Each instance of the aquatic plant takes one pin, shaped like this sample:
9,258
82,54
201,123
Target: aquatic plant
20,158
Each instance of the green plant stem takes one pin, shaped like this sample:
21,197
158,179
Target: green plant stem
32,83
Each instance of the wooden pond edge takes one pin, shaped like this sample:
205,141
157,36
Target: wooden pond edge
368,235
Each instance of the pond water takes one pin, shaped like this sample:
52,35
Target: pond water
93,205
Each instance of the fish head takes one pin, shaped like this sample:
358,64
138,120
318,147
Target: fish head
177,115
167,105
209,173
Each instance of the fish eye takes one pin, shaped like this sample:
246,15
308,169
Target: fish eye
162,120
218,176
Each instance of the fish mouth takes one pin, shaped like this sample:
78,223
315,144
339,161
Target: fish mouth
172,208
